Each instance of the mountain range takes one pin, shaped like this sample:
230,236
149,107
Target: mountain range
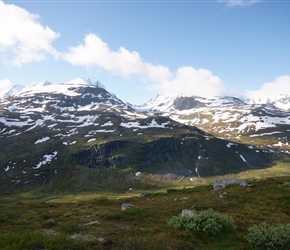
229,117
72,133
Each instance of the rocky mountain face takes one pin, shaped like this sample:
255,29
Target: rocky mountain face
57,134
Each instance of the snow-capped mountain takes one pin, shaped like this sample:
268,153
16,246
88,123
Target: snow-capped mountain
52,132
13,91
229,117
281,101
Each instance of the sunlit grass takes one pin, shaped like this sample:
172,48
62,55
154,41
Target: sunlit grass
94,220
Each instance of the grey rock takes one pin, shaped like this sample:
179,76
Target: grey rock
126,206
144,194
222,194
220,184
91,223
189,213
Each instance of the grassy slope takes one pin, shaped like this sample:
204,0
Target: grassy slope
34,220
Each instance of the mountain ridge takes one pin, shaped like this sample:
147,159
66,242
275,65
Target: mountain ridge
227,117
55,135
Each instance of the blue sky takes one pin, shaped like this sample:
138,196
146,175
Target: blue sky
140,48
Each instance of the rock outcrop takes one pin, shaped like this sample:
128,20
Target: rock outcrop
220,184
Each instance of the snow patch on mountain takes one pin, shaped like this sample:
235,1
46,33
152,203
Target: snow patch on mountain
109,123
242,157
44,139
46,160
152,124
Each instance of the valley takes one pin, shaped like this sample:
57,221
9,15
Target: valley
72,153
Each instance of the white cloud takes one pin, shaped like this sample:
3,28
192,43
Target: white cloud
95,52
186,80
191,82
269,90
5,85
240,3
23,37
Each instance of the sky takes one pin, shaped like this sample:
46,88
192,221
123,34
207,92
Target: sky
138,49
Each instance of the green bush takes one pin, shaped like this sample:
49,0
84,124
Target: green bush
266,237
180,222
208,222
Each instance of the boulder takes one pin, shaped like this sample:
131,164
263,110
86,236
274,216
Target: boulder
220,184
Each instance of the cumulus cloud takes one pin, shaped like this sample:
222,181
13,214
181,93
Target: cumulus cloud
95,52
23,37
191,82
186,80
5,85
269,90
239,3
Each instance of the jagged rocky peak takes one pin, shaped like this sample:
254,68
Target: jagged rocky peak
80,81
99,85
85,82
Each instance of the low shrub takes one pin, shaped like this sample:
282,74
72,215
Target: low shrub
131,214
208,222
266,237
70,228
37,240
180,222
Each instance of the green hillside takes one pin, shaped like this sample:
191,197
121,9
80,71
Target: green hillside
94,220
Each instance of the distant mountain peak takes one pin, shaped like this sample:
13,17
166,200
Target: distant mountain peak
48,87
99,85
14,90
85,82
80,81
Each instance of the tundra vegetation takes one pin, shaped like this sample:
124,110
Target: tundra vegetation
253,217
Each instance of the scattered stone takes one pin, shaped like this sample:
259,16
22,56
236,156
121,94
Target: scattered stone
144,194
52,221
80,236
50,232
91,223
138,173
126,206
183,198
220,184
222,194
189,213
